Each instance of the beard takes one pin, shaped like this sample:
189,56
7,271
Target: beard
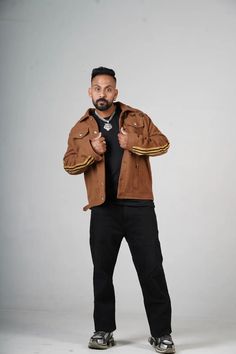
102,104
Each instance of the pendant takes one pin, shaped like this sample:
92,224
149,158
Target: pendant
107,126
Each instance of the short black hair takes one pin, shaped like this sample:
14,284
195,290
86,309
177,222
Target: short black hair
101,70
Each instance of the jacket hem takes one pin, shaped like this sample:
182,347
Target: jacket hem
143,197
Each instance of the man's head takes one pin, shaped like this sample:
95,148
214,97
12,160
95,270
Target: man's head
103,88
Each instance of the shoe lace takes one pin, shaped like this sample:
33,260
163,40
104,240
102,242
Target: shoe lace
166,339
99,334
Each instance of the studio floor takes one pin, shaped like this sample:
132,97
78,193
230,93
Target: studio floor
44,332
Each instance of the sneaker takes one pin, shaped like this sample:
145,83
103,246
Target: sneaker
101,340
163,344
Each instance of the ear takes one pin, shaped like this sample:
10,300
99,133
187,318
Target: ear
90,92
116,94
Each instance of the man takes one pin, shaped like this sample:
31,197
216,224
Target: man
111,145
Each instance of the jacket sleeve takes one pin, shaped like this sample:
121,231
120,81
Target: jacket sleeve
151,143
79,154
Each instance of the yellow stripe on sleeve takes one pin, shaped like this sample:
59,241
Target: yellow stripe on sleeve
150,151
76,168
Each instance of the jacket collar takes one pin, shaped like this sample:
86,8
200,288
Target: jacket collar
123,107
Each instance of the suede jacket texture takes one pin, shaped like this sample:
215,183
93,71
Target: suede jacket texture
135,181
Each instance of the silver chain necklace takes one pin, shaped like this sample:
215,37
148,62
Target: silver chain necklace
107,124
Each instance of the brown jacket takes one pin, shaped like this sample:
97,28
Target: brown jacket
135,181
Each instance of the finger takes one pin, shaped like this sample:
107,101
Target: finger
98,137
123,131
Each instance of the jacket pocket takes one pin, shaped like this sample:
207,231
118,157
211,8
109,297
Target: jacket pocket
135,127
81,133
135,124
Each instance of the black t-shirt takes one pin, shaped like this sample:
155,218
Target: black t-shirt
113,157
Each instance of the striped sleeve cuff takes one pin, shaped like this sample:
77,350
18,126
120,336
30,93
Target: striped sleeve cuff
152,151
77,168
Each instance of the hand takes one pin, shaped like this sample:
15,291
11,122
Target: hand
99,144
123,139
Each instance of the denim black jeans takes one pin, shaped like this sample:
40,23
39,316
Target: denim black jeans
138,225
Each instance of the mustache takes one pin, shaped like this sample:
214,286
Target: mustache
101,100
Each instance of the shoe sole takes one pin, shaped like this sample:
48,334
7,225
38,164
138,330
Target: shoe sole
94,345
163,351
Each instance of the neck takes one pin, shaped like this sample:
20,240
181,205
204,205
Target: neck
106,113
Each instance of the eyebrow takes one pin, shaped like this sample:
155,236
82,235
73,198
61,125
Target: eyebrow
101,86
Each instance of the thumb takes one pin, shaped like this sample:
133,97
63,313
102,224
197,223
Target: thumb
123,131
99,136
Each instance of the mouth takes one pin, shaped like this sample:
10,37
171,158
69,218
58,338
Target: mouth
101,101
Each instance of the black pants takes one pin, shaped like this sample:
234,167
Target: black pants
109,224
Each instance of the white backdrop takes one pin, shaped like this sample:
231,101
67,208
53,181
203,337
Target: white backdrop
175,60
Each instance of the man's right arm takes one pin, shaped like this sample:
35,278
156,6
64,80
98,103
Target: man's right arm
80,153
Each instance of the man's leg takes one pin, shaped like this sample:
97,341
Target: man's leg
142,236
105,239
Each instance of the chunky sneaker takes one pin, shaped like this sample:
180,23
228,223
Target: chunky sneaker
163,344
101,340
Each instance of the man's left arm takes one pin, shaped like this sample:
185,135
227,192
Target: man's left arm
151,143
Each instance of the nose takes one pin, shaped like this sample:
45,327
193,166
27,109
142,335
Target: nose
102,93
